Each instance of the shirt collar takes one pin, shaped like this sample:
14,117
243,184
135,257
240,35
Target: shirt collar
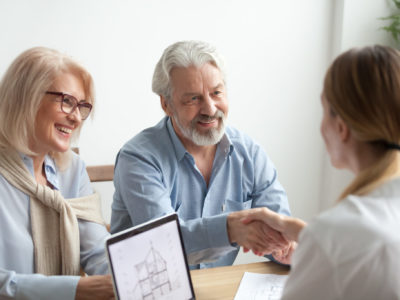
225,144
51,172
50,169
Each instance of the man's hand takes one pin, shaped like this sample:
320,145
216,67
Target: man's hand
289,227
95,287
256,235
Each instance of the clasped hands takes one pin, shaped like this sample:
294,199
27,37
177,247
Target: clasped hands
265,232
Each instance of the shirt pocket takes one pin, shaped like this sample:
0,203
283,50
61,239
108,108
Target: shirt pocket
231,205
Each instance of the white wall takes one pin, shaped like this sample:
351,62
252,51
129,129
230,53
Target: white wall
356,24
276,52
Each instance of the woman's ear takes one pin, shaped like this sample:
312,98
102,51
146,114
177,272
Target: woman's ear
343,129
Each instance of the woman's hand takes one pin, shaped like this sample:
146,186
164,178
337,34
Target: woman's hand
95,287
289,227
284,256
257,236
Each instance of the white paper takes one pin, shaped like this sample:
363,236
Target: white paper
254,286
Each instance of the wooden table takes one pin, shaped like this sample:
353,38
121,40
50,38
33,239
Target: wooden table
222,283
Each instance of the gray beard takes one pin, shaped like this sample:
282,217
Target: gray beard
210,137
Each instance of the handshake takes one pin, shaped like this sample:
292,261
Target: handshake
265,232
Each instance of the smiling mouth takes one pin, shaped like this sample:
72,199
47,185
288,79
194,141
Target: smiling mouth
207,122
64,129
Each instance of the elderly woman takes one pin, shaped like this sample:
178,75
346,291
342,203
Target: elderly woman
49,217
352,251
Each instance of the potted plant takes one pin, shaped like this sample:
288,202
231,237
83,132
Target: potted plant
394,27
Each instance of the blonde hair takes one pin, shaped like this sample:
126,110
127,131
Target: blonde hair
362,86
22,89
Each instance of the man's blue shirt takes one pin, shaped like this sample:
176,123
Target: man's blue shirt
155,175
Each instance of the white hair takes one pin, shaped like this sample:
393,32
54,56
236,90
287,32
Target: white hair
183,54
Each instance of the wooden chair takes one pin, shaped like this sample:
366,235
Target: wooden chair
100,173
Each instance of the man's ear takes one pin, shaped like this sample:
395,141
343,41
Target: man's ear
343,129
165,105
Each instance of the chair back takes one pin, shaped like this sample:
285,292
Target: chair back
100,173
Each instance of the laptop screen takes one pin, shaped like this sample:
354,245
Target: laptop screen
149,262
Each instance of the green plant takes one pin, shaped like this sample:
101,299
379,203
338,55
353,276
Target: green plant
394,26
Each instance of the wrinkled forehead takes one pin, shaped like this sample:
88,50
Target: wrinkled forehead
195,77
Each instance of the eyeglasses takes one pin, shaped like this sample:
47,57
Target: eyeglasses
69,104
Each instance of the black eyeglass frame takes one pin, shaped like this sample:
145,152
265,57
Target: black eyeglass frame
76,103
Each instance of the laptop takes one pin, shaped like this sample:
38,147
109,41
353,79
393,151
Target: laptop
148,261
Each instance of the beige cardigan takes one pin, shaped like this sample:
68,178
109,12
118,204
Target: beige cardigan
54,223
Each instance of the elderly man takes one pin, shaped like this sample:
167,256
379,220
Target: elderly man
195,165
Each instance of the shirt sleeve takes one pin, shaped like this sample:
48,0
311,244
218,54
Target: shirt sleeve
141,195
206,239
92,248
36,286
312,275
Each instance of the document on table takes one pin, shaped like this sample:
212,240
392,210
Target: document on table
254,286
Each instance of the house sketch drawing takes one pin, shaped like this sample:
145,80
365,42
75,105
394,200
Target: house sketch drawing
153,279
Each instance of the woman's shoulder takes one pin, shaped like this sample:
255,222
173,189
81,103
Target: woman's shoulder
72,166
358,248
66,162
74,180
76,162
355,225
